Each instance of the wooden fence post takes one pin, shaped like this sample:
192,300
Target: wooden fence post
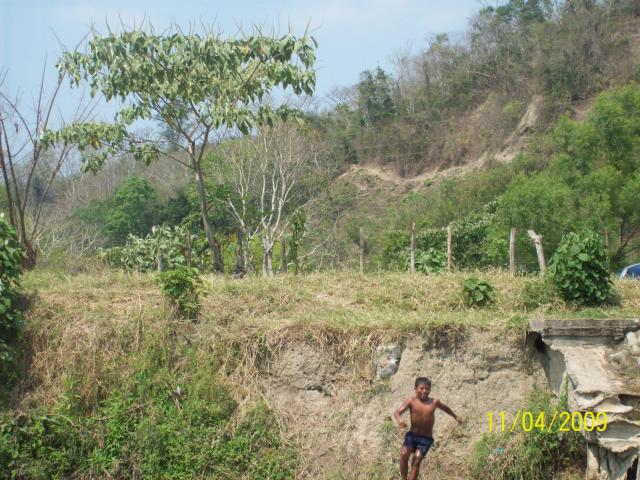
537,239
159,258
283,255
188,252
413,248
449,248
512,252
361,250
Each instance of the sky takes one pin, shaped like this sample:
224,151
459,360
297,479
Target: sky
352,35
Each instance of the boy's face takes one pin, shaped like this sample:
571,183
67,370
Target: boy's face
422,391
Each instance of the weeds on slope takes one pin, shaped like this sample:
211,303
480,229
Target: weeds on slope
170,416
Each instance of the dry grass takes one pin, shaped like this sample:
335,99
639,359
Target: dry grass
88,331
83,328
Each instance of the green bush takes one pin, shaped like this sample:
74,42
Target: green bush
182,286
580,269
166,420
431,261
540,453
477,293
10,315
141,254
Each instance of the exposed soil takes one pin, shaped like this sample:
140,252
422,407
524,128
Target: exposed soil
345,428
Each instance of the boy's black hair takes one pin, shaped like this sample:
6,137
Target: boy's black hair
422,380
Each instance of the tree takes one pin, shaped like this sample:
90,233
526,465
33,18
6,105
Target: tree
28,169
273,176
287,159
237,165
193,85
374,97
131,209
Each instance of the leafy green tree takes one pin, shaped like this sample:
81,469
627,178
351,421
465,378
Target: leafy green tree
600,160
131,209
192,84
374,97
540,202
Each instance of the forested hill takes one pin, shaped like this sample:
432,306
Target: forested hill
463,96
527,120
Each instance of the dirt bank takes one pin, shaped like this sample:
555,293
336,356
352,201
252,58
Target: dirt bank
344,422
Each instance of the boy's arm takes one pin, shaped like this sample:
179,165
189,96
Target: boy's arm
447,410
403,408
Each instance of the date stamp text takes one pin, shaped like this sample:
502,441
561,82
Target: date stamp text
526,421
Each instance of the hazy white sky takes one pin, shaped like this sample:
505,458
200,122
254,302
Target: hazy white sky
353,35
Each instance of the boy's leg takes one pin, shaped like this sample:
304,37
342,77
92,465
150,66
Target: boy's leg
404,462
415,464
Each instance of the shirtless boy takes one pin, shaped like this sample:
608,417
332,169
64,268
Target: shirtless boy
419,438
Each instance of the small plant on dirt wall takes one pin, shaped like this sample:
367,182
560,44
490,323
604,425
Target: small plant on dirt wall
477,293
580,269
182,286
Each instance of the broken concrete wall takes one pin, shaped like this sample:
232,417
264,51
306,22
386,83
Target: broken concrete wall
596,364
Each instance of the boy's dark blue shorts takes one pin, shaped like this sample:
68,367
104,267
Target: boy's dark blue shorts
413,442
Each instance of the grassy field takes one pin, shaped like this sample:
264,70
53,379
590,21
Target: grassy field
386,301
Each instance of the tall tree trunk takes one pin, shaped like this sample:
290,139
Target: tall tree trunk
249,266
30,255
218,255
283,255
267,262
537,240
214,246
7,186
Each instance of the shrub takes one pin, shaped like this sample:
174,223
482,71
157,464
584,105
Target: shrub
182,286
141,254
580,269
10,316
431,261
166,419
477,293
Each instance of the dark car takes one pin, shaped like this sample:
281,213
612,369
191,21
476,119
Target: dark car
632,271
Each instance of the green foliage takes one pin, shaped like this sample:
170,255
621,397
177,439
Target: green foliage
165,244
165,420
182,286
472,246
165,74
10,316
98,142
131,209
580,269
374,97
539,454
395,250
431,261
477,293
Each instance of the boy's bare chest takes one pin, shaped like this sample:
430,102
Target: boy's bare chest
422,410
